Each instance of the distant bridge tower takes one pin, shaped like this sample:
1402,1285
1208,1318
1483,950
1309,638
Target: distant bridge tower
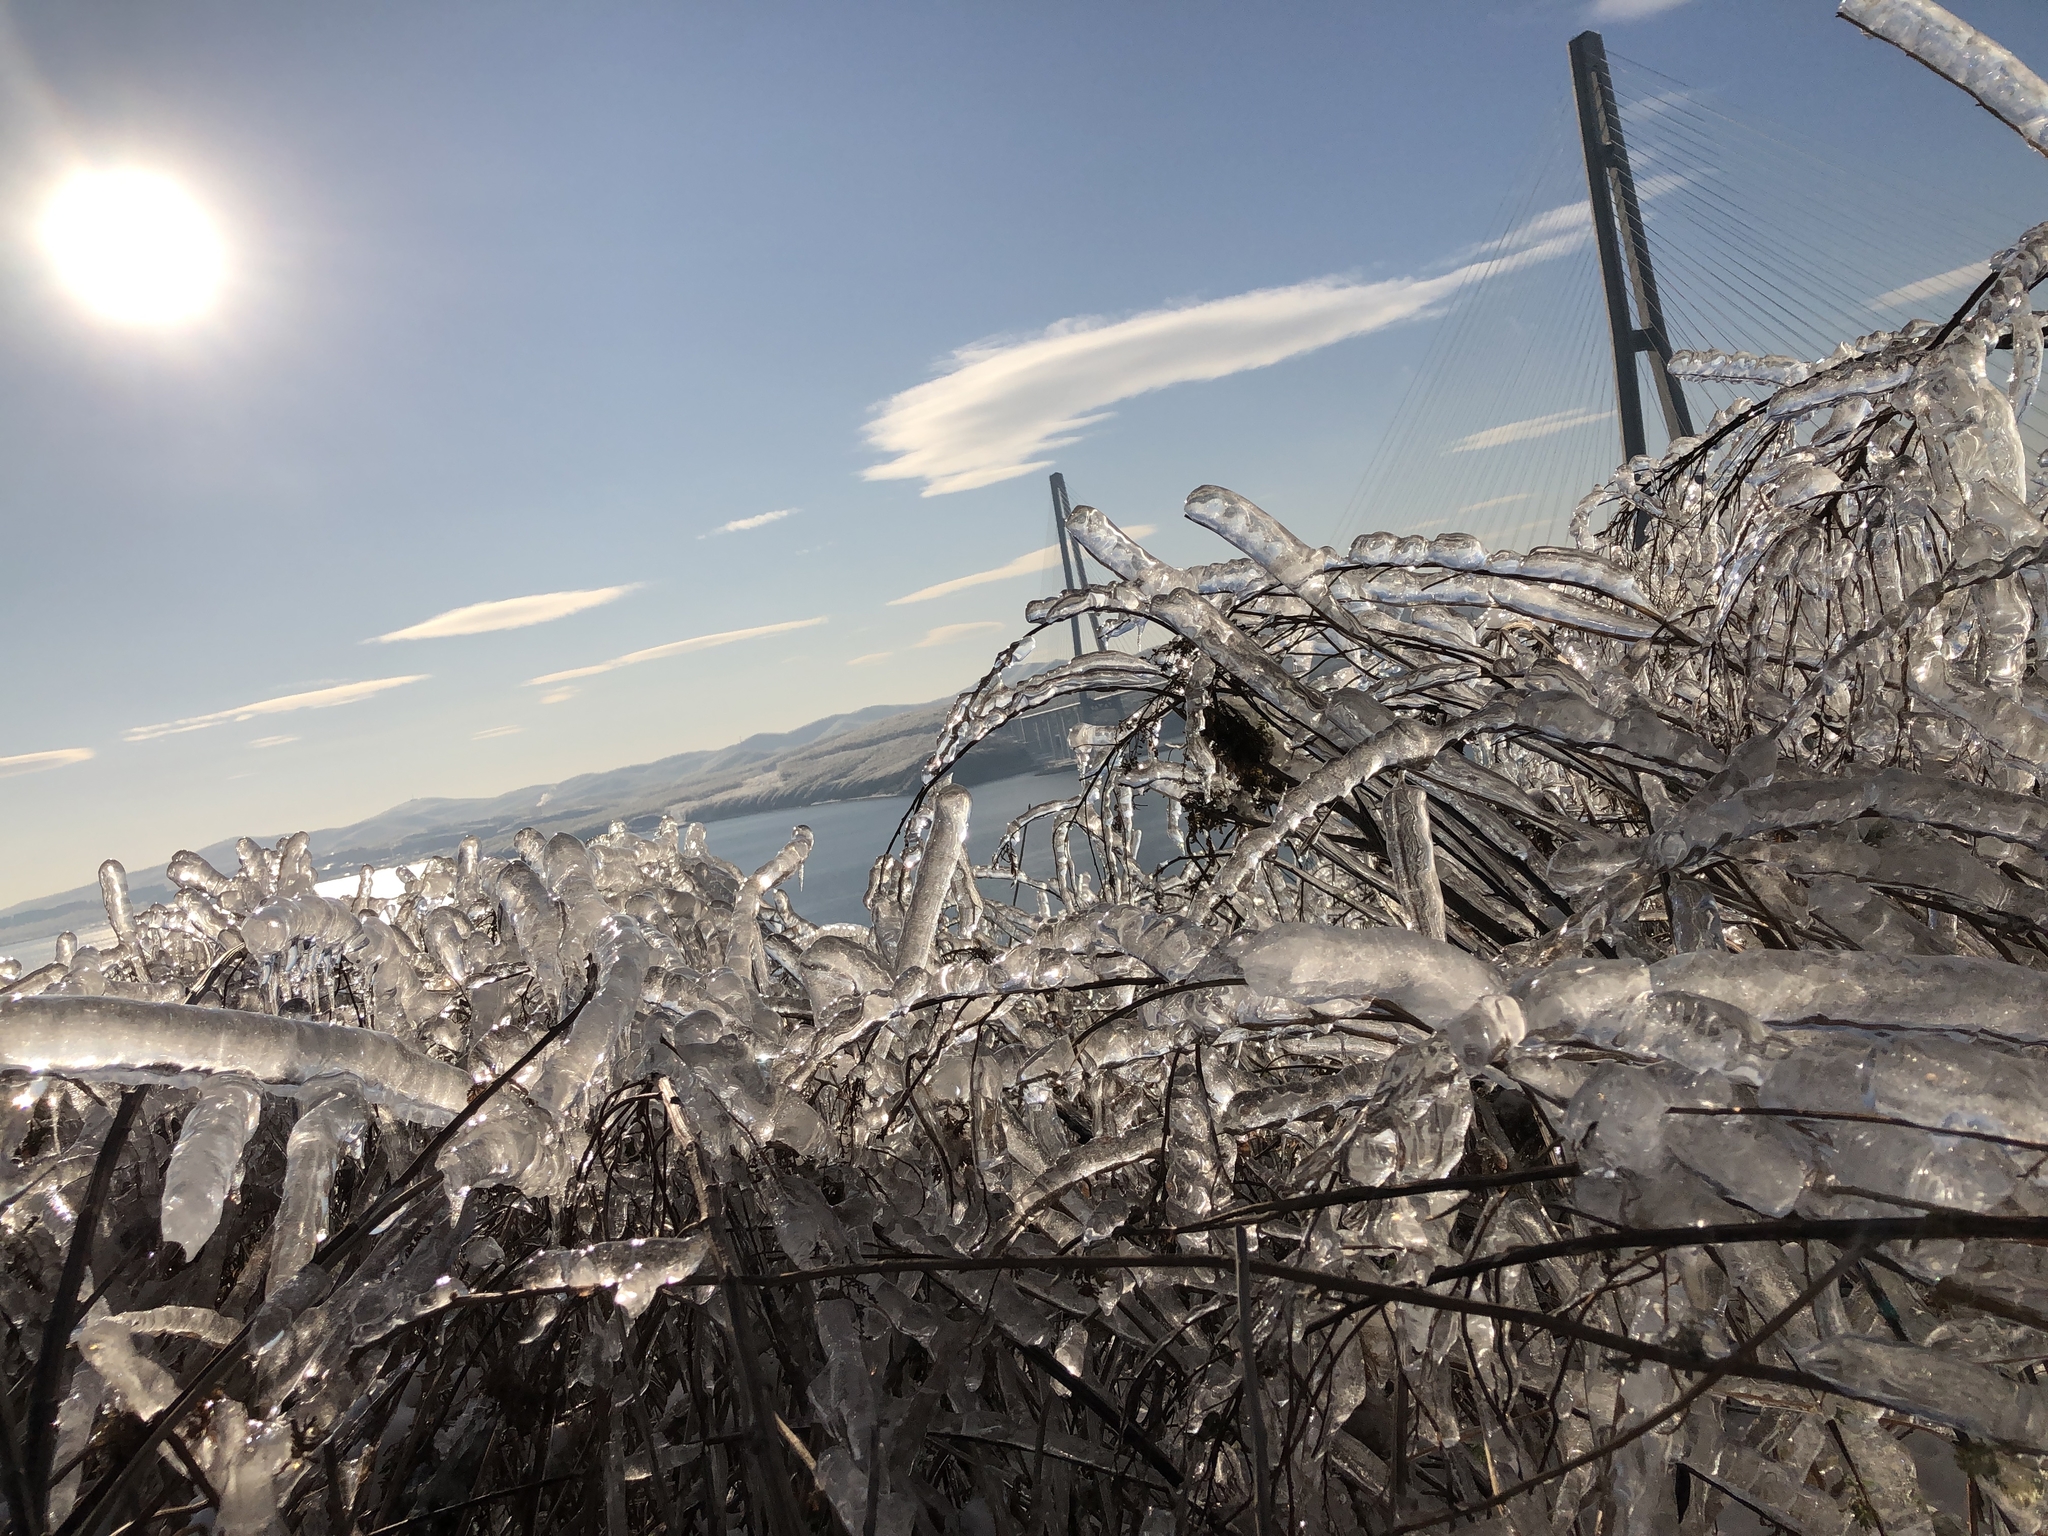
1625,269
1070,561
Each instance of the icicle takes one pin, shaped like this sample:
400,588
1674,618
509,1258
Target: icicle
206,1164
329,1128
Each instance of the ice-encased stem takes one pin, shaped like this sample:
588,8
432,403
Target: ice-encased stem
1312,963
121,1039
114,896
745,954
632,1271
1930,1384
1415,859
201,1323
536,925
206,1163
109,1348
248,1458
74,1431
942,850
1962,55
1405,744
1950,992
588,1058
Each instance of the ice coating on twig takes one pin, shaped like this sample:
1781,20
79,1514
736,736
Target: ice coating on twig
1421,975
126,1040
108,1347
1739,367
942,849
633,1271
114,894
1931,1385
586,1059
245,1459
1959,52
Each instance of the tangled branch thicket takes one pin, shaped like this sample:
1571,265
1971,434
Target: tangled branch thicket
1580,1069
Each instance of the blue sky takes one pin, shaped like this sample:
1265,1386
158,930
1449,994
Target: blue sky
718,330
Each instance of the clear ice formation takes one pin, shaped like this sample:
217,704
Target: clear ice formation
206,1164
1606,987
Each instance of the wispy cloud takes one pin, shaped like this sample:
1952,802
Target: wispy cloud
1024,565
1001,406
507,613
1523,431
1552,232
742,524
946,634
1935,287
1571,223
1629,10
1503,537
662,652
558,696
1046,559
497,731
318,698
42,762
273,741
872,656
1496,501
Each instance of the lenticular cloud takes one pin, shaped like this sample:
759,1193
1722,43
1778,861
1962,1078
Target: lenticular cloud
1003,406
508,613
283,704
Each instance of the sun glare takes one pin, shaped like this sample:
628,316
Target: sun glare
134,247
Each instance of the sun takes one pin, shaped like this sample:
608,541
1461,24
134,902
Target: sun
134,247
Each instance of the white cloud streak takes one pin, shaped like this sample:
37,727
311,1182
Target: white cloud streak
1002,406
742,524
1630,10
1047,559
273,741
1523,431
1497,501
318,698
1555,231
43,762
662,652
1569,222
946,634
507,613
496,731
1504,537
869,659
1932,287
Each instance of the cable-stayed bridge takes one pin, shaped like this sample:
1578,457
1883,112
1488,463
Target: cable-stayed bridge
1758,242
1724,232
